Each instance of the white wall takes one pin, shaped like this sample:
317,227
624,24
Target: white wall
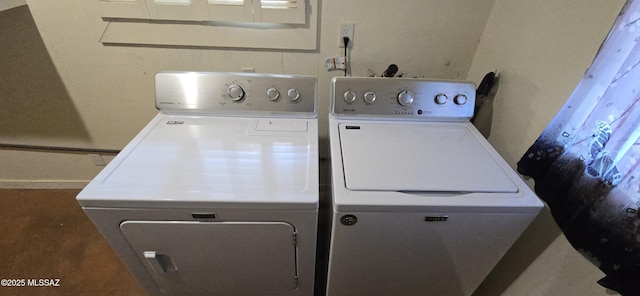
8,4
541,50
111,88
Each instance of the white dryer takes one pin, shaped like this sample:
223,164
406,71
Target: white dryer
218,194
422,204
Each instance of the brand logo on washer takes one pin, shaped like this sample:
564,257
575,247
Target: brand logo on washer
174,122
436,219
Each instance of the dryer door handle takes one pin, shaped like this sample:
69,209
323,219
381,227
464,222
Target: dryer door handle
154,260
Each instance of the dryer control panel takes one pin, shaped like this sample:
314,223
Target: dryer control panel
236,93
403,98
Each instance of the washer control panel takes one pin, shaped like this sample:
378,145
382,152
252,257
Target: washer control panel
230,93
403,97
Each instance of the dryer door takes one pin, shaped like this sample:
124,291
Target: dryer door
235,258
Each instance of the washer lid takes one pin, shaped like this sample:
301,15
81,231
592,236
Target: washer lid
419,157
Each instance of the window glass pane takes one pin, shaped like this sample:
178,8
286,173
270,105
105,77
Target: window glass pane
278,4
226,2
180,2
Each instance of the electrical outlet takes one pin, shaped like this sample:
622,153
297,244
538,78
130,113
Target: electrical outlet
346,30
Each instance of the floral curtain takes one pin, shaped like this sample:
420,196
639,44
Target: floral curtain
585,163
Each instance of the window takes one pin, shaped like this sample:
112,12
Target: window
249,11
281,24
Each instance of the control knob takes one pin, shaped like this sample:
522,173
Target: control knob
405,98
441,99
349,96
273,94
369,97
293,94
460,99
235,92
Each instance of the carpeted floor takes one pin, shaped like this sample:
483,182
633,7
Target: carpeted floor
44,234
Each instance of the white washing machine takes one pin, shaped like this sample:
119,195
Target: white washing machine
422,204
218,194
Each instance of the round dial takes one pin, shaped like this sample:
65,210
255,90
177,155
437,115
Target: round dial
235,92
369,97
273,94
441,99
460,99
293,94
405,98
349,96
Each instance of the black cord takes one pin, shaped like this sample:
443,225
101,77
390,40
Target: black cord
346,45
390,71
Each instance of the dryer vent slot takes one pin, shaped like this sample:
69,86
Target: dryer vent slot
200,216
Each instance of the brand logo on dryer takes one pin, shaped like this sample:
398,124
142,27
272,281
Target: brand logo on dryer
174,122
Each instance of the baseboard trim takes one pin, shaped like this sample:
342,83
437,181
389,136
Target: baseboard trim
43,184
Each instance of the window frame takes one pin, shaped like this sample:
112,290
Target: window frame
136,30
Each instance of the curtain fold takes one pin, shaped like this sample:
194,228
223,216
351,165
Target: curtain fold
585,162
